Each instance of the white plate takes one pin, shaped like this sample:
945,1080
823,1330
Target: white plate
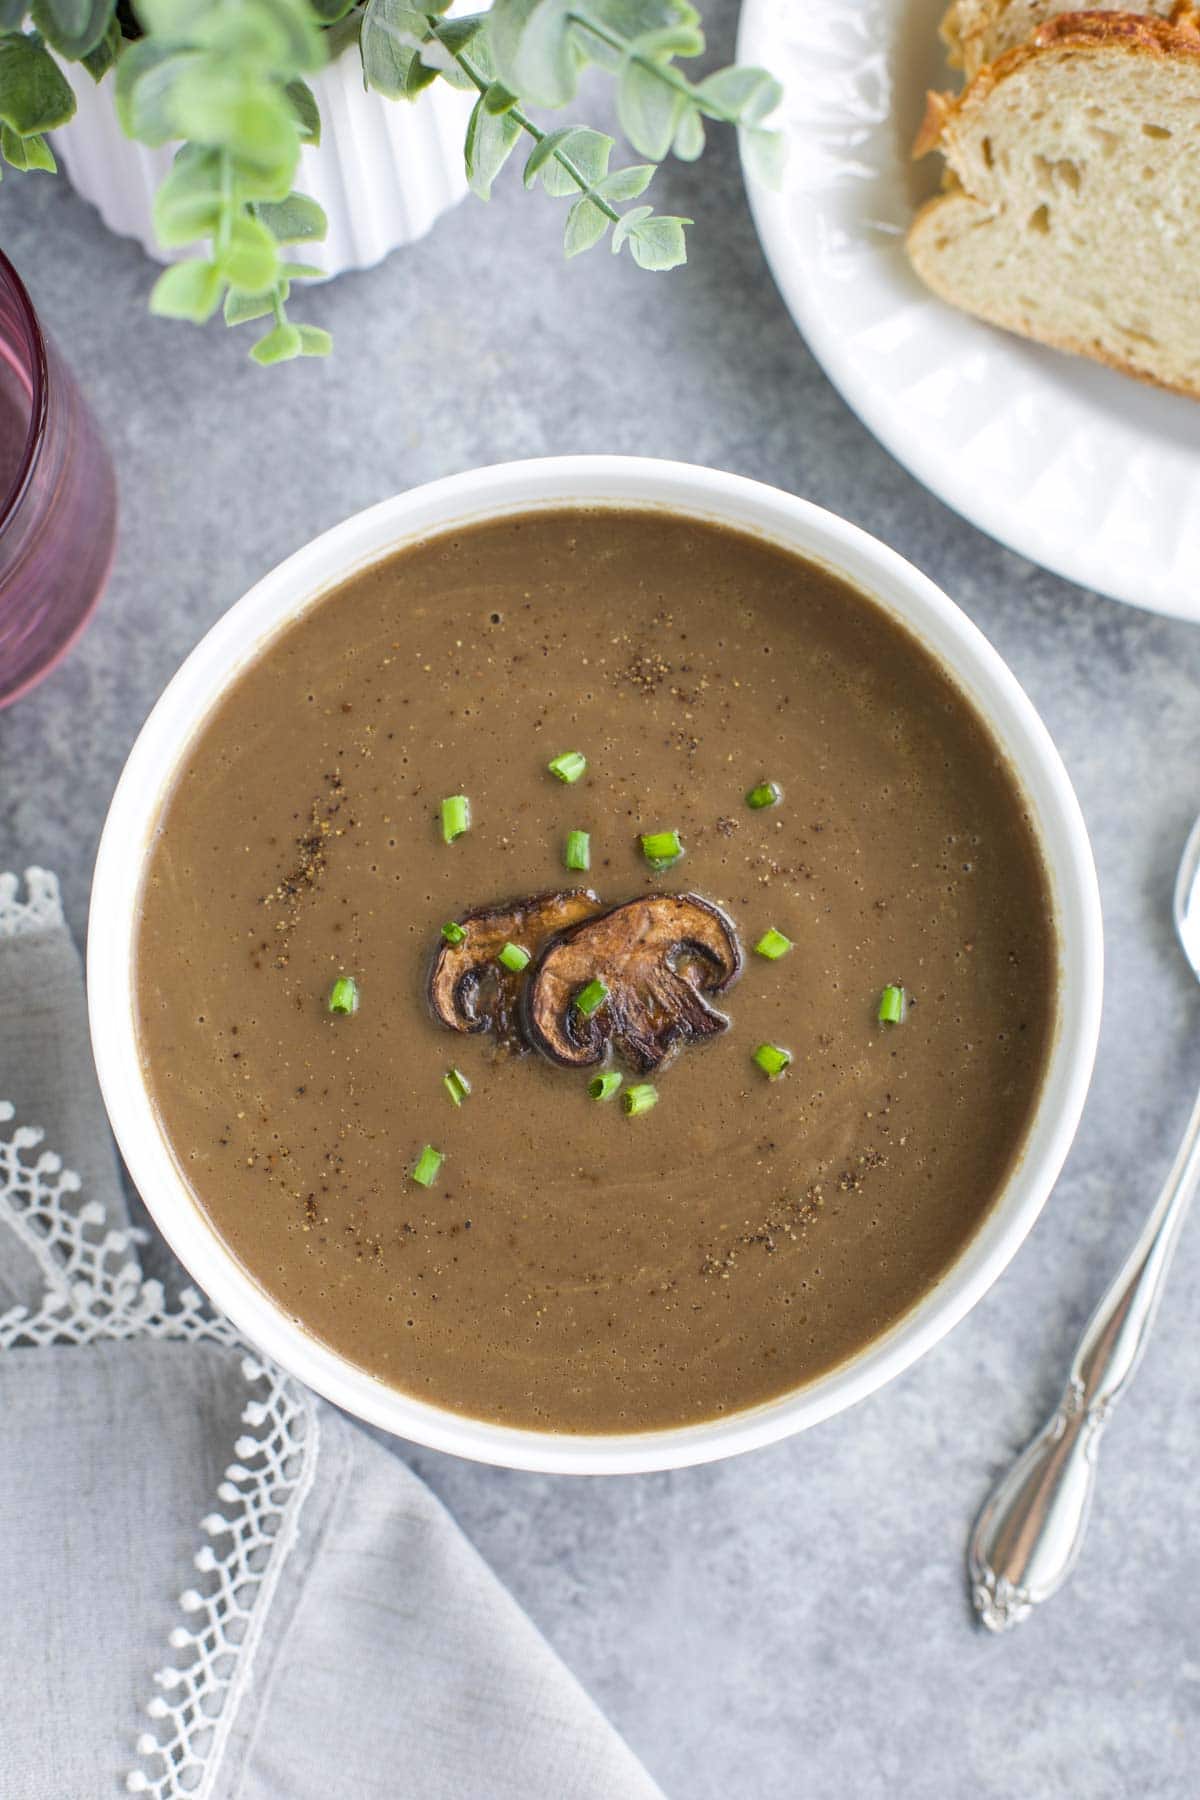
1087,472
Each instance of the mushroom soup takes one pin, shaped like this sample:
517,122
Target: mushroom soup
596,970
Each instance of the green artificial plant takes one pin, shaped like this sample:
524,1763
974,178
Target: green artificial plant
228,80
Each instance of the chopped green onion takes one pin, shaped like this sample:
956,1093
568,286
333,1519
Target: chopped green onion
427,1165
603,1087
513,958
578,853
661,848
772,944
591,998
456,817
767,793
893,1004
639,1098
343,995
772,1060
454,934
569,766
457,1086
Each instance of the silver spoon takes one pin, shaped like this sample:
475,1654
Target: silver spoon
1029,1534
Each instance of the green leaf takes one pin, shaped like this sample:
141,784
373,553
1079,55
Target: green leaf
303,103
296,220
588,150
689,139
293,271
628,19
212,104
627,184
72,27
542,151
258,38
390,68
456,35
451,74
240,308
282,35
164,19
490,141
330,11
189,290
739,96
438,54
626,224
420,76
307,49
649,110
765,153
586,225
536,49
99,61
658,242
188,203
254,182
498,98
145,84
250,259
668,41
314,341
481,53
32,152
389,43
34,93
278,346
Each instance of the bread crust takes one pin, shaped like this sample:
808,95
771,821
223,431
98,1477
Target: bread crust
1135,33
1179,35
968,24
962,23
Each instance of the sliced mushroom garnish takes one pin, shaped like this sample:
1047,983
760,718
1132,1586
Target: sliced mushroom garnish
469,990
657,957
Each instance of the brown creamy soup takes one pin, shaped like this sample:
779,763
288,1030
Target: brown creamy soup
573,1266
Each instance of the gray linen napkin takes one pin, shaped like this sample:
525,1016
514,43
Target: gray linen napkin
211,1584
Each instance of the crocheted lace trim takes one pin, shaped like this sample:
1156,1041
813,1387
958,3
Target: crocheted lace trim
94,1289
40,910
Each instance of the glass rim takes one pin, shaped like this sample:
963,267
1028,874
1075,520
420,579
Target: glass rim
39,376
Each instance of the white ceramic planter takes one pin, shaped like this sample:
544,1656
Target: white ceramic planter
460,501
384,171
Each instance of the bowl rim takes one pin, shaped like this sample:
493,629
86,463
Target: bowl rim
275,601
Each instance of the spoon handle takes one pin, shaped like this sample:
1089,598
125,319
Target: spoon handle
1028,1536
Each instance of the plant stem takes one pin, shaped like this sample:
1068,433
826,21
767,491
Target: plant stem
225,221
569,165
527,125
670,77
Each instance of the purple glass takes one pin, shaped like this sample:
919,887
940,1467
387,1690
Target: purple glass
58,499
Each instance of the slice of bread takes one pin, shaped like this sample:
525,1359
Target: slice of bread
963,29
1072,213
978,31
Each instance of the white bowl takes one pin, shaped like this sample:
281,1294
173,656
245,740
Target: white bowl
465,499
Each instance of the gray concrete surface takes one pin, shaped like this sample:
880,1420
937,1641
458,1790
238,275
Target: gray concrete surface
793,1623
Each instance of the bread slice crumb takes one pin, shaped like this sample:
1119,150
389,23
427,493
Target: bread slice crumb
1072,214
